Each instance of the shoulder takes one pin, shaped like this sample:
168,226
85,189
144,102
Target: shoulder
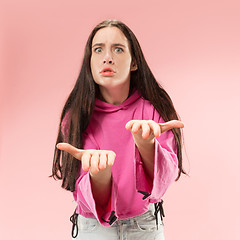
65,124
149,112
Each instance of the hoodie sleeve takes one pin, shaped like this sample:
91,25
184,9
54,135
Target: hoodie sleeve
65,125
165,163
83,192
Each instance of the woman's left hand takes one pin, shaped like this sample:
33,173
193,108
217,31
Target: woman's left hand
148,129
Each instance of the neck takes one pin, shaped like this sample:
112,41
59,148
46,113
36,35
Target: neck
114,96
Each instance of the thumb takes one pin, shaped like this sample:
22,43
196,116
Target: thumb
75,152
170,124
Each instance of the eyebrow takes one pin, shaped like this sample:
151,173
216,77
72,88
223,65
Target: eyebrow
114,45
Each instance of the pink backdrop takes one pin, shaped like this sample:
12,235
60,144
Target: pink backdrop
192,48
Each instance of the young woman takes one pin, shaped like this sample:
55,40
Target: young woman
119,142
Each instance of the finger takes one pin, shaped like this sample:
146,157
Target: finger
86,161
111,158
155,128
75,152
102,161
171,124
145,130
136,126
94,163
129,124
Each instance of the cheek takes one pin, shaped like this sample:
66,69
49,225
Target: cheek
93,70
93,65
91,62
126,64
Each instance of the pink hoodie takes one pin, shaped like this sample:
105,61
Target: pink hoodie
106,131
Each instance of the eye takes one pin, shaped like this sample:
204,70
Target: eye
118,50
98,50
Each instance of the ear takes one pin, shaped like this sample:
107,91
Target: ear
134,66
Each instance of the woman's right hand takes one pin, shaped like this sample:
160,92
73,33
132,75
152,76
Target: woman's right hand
92,160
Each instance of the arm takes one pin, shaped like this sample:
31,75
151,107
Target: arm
144,134
101,187
98,163
93,187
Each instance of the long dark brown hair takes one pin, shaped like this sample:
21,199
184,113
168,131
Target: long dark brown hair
82,98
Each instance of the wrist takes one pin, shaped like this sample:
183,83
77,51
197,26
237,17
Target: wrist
146,143
102,176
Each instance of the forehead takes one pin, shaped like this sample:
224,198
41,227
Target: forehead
109,35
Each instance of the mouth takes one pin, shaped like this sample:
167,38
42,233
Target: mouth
107,72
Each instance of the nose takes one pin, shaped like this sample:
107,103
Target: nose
108,59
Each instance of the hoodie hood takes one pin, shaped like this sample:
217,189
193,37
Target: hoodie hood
101,106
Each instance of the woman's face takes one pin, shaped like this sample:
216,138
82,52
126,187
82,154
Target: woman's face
111,61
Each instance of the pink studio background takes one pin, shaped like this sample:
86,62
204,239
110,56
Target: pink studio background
192,48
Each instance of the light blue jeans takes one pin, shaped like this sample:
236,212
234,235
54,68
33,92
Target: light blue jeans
140,227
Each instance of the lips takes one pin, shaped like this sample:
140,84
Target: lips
107,72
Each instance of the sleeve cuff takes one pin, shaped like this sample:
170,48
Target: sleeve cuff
165,172
87,204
